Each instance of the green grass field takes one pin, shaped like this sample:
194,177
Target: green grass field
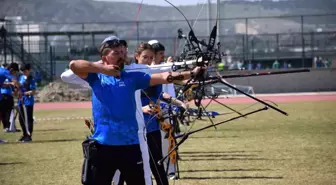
266,148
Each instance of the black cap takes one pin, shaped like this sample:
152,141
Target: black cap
109,42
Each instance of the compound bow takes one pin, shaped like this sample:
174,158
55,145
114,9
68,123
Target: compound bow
211,56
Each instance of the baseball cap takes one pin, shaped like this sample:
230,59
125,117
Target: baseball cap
109,42
151,42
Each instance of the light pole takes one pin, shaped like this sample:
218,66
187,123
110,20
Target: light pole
209,17
219,17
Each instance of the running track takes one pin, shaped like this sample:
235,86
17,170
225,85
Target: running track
280,98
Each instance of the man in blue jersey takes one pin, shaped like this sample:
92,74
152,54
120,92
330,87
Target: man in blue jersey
115,138
69,77
7,74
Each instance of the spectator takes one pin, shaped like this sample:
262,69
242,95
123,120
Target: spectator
26,102
325,63
3,32
289,65
220,67
319,62
240,65
276,64
285,65
258,66
249,66
315,62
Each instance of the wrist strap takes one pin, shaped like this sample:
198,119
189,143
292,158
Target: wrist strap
192,75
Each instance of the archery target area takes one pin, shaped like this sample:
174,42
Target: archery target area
223,90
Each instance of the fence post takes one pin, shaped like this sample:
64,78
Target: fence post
277,46
312,44
137,25
252,46
5,43
303,43
22,49
70,45
51,63
83,39
28,26
93,39
246,37
244,55
45,46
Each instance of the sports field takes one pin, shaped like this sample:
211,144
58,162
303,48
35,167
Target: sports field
264,148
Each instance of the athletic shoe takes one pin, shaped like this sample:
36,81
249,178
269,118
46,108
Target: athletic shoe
172,176
15,130
21,138
27,139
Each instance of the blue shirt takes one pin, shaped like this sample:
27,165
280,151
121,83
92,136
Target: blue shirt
114,107
26,84
151,94
7,90
4,74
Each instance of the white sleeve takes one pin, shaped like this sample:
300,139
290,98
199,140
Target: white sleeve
171,90
167,67
156,69
71,78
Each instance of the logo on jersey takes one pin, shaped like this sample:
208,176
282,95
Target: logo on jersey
122,84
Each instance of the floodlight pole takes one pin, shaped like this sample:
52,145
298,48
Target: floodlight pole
219,20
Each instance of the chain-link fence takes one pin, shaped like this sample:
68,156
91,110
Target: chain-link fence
288,39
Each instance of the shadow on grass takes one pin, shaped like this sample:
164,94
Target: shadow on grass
224,170
219,152
217,155
48,141
226,159
241,177
212,137
10,163
49,130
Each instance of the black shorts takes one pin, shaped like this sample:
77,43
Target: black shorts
127,159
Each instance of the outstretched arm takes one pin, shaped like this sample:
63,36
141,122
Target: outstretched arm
70,77
172,77
82,68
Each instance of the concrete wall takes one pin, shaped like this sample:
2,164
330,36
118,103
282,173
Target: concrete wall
314,81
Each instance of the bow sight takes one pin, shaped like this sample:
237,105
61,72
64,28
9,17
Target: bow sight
199,50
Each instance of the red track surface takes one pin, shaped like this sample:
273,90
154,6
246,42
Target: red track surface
234,100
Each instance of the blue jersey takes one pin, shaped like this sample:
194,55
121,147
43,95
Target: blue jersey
4,74
26,84
151,94
7,90
114,107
